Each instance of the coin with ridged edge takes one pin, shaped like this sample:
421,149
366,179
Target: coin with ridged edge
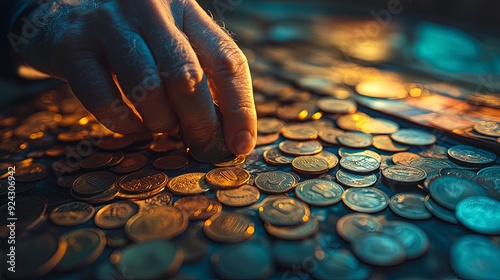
275,182
284,211
359,164
72,213
403,174
355,180
228,227
470,156
319,192
366,200
227,177
94,183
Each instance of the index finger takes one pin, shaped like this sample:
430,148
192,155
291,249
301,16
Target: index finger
228,73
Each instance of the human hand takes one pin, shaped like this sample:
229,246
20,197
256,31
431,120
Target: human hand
171,60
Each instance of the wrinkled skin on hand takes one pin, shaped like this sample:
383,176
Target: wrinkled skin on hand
171,60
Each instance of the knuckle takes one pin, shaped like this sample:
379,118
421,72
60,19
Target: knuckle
230,60
187,76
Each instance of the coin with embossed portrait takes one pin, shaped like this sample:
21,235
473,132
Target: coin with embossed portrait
227,177
115,215
238,197
72,213
228,227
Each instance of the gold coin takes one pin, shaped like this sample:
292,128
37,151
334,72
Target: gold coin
230,161
385,143
198,207
144,180
275,182
115,215
106,195
188,184
227,177
140,196
355,139
329,135
329,157
300,148
284,211
299,132
164,222
84,247
488,128
301,231
332,105
93,183
309,165
269,125
229,227
72,213
404,158
275,157
380,88
238,197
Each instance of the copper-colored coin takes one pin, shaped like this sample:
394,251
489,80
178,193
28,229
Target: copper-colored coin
385,143
309,165
199,207
299,132
275,182
229,227
355,139
117,159
161,199
115,215
300,148
72,213
404,158
140,195
107,195
227,177
84,247
30,172
164,222
284,211
238,197
94,183
131,163
144,180
275,157
269,125
170,162
96,161
297,232
264,139
488,128
329,135
163,143
230,161
188,184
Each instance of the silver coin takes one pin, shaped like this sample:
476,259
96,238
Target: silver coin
450,190
340,264
360,164
480,214
355,139
275,181
403,174
343,152
491,184
378,249
431,166
366,200
414,137
458,172
410,206
490,171
467,155
302,148
352,225
414,239
275,157
475,257
355,180
319,192
439,211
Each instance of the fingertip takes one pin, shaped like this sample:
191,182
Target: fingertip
242,142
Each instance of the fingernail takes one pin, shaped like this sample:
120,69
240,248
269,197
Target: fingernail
243,142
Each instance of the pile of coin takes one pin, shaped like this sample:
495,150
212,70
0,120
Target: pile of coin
157,211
